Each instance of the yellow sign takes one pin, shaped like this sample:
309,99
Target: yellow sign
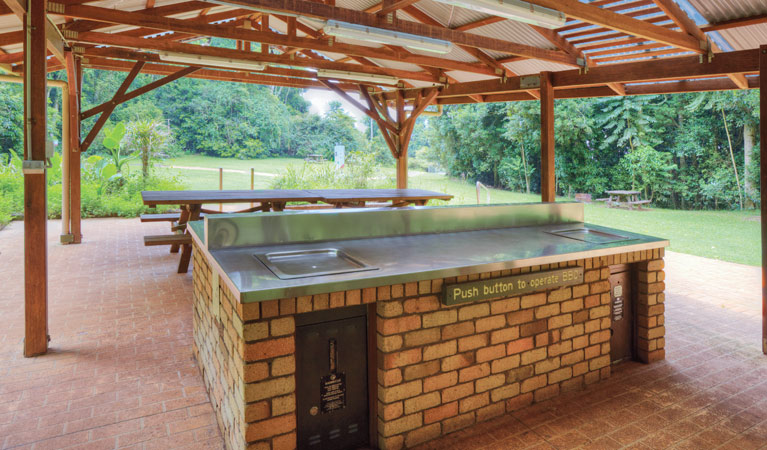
511,286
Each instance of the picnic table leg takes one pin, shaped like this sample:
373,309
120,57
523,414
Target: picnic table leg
186,253
278,206
182,219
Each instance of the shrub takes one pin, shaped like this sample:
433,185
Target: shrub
358,173
104,193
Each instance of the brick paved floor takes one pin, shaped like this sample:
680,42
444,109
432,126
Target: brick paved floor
120,372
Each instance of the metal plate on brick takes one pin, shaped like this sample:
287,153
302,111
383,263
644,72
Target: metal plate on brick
622,326
331,382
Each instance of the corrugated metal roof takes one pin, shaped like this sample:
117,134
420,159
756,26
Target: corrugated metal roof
746,37
721,10
534,66
512,31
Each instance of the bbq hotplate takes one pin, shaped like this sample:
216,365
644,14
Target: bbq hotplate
311,263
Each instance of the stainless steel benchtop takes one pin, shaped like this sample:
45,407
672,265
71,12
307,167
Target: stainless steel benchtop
402,259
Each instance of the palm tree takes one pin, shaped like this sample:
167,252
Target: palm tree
148,137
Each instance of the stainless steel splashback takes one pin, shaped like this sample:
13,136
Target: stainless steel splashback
255,229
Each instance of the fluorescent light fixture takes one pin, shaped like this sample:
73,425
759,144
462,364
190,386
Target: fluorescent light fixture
514,10
381,36
354,76
226,63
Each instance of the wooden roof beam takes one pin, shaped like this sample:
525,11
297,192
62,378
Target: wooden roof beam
53,37
326,12
561,43
739,80
393,6
736,23
681,19
623,23
638,13
207,74
617,88
681,68
484,58
177,25
93,37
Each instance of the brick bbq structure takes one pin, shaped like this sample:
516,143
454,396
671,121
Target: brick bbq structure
432,369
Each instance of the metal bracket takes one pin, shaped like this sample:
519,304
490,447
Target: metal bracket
33,167
67,238
530,82
69,34
330,41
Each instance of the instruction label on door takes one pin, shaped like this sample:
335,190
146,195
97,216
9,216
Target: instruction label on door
333,392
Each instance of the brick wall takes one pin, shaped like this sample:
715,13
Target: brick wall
440,368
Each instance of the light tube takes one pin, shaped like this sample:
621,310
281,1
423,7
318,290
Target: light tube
514,10
354,76
382,36
227,63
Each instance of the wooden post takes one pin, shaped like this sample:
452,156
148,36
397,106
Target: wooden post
547,138
35,182
763,174
73,79
220,185
252,182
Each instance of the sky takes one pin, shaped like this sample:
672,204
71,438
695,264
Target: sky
320,99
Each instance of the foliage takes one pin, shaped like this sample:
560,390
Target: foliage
147,138
674,148
113,137
359,172
103,192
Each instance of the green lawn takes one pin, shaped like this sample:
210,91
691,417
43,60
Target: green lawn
729,236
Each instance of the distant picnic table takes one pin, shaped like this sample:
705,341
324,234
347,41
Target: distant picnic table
191,203
619,198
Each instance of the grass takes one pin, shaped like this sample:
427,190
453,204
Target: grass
725,235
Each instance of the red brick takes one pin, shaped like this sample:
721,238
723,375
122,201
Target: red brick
398,324
272,427
440,412
269,349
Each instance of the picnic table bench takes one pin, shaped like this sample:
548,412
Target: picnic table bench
191,203
620,198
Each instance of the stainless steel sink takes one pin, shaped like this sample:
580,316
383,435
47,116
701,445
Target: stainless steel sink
311,263
590,235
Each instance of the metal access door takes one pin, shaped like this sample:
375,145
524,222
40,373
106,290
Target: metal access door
622,328
332,379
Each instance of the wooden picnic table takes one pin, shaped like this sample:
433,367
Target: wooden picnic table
619,198
358,197
191,203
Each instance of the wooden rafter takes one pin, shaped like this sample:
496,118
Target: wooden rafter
322,11
191,49
683,21
687,24
618,88
207,74
53,38
736,23
178,25
687,67
394,6
623,23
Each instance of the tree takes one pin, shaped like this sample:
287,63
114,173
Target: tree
148,138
